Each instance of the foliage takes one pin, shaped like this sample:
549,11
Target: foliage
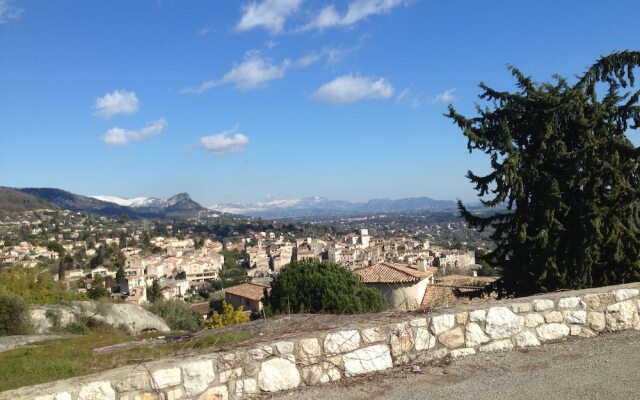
318,287
232,257
14,315
229,316
154,292
486,269
34,286
563,166
177,314
97,289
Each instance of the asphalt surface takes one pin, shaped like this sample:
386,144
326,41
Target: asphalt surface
606,367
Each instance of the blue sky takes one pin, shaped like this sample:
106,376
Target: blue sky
237,101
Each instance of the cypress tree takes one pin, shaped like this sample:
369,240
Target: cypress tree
564,178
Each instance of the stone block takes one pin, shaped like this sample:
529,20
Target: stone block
497,345
260,353
521,307
441,323
595,301
309,351
474,335
368,359
416,322
462,352
526,339
341,342
173,394
532,320
502,323
136,381
320,374
553,317
375,335
625,294
569,302
215,393
623,315
452,338
164,378
424,340
97,391
543,304
198,375
575,316
552,331
283,348
246,386
596,321
461,318
477,315
278,374
229,374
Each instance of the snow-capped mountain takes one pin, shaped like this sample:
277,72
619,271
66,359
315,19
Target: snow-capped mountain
320,206
135,202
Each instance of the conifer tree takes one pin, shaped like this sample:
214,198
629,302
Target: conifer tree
563,167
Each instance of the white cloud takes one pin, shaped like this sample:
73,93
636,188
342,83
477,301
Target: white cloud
270,15
117,102
331,55
121,137
357,10
350,88
445,97
204,31
224,143
252,73
8,11
406,97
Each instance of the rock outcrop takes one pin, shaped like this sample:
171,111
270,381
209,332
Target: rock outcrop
134,317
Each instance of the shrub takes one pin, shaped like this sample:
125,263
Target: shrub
14,315
177,314
319,287
34,286
229,316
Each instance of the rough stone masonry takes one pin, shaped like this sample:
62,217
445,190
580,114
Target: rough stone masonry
324,357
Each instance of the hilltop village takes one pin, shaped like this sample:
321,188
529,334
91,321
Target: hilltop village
132,257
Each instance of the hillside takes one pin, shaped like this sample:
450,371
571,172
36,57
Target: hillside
13,201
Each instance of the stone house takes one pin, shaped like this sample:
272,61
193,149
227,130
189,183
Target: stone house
248,295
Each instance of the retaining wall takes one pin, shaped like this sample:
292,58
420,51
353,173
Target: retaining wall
323,357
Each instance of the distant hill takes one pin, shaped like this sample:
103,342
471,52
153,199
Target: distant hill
13,201
321,207
178,206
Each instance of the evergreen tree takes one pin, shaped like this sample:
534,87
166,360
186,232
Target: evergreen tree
98,289
318,287
154,292
568,175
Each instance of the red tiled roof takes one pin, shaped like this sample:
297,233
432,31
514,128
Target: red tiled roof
201,308
388,272
251,291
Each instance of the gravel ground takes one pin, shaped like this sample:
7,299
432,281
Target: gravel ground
606,367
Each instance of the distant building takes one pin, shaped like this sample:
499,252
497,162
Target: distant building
403,286
248,295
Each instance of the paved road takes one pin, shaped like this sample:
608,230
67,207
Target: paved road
607,367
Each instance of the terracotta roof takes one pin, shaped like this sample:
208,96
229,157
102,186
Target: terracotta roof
201,308
250,291
388,272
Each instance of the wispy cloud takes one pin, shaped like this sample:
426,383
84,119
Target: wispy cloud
121,137
227,142
351,88
330,55
204,31
254,72
408,98
445,97
268,14
357,10
117,102
8,11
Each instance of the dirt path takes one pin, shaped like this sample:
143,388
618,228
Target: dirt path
606,367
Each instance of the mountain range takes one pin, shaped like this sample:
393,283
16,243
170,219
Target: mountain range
178,206
321,207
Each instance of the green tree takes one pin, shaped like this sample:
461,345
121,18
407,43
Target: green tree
318,287
120,274
57,247
567,174
154,292
98,289
64,264
177,314
14,315
34,286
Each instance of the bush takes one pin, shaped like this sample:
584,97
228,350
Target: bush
318,287
229,316
14,315
177,314
34,286
77,328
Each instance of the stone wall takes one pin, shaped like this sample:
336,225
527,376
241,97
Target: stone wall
324,357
